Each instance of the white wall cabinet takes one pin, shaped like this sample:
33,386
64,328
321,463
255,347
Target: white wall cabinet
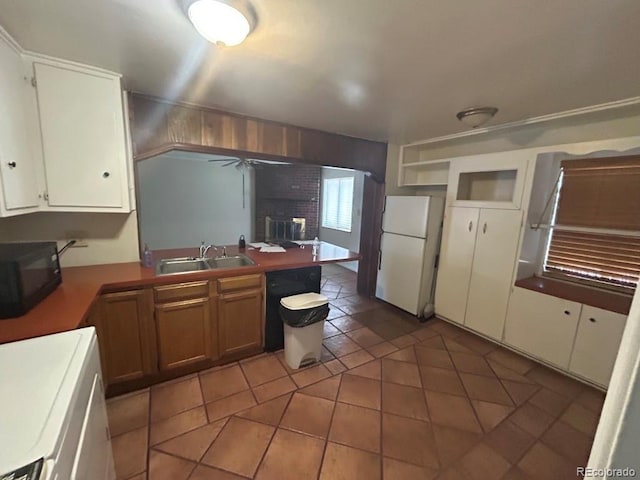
84,149
18,181
596,345
63,141
492,271
542,325
477,261
456,259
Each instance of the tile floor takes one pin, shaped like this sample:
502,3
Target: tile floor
391,399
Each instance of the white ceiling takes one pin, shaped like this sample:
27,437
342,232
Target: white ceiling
380,69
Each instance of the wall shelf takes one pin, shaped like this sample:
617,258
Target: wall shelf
416,172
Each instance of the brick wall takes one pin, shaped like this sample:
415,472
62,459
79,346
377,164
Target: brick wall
287,191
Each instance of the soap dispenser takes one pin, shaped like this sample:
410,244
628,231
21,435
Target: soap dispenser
241,243
147,257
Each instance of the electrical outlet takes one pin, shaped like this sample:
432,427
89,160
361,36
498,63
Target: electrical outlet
79,236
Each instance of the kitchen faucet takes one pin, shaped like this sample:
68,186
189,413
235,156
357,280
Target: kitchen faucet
205,248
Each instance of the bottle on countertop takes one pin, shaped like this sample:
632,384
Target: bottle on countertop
241,243
147,257
315,247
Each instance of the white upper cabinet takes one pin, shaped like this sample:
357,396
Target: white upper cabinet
63,136
84,147
487,181
18,179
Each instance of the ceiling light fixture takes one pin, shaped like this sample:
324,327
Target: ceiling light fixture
474,117
223,22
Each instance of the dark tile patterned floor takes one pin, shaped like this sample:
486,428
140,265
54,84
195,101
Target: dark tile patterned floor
391,399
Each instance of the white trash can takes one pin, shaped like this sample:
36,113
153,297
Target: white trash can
303,317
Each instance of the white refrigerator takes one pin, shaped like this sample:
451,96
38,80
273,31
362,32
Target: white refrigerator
410,243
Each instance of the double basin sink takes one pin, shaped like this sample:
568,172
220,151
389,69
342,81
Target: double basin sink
192,264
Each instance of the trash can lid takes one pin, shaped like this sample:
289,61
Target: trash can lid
304,301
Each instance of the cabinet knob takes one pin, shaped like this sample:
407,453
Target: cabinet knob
484,228
470,225
592,320
105,174
12,164
567,312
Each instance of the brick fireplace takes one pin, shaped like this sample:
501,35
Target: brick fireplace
286,194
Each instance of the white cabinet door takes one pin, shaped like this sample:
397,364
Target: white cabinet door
17,166
542,325
456,257
597,342
83,140
493,264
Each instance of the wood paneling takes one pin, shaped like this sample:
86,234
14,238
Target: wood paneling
158,125
187,333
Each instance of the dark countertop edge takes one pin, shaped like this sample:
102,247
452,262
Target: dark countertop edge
592,296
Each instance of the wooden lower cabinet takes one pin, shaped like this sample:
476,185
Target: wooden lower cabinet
153,334
187,333
240,317
126,335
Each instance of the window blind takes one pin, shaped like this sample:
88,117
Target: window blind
600,193
596,232
607,259
337,203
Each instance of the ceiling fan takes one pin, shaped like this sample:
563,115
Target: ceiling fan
241,164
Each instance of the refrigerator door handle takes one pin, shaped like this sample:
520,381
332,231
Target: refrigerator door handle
470,225
379,259
484,228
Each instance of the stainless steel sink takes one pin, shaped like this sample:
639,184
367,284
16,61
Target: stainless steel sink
230,262
191,264
181,265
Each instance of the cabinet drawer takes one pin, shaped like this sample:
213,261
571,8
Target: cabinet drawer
181,291
237,283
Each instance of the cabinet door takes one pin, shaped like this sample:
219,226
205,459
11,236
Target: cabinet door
186,333
125,335
456,257
597,343
542,325
493,264
240,316
83,141
17,165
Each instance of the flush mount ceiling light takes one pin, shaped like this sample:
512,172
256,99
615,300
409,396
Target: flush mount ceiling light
223,22
474,117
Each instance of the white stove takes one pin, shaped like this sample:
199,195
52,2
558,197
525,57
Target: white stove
52,408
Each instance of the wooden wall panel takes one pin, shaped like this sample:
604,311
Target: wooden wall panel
184,125
217,130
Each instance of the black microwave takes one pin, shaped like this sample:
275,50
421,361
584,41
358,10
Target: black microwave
29,271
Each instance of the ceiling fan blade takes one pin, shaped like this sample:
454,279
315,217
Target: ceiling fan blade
234,162
232,159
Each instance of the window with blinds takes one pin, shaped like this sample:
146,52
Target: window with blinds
337,203
595,232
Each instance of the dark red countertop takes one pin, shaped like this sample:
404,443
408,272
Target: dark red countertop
595,297
67,306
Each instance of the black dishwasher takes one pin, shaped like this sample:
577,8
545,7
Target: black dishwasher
280,284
